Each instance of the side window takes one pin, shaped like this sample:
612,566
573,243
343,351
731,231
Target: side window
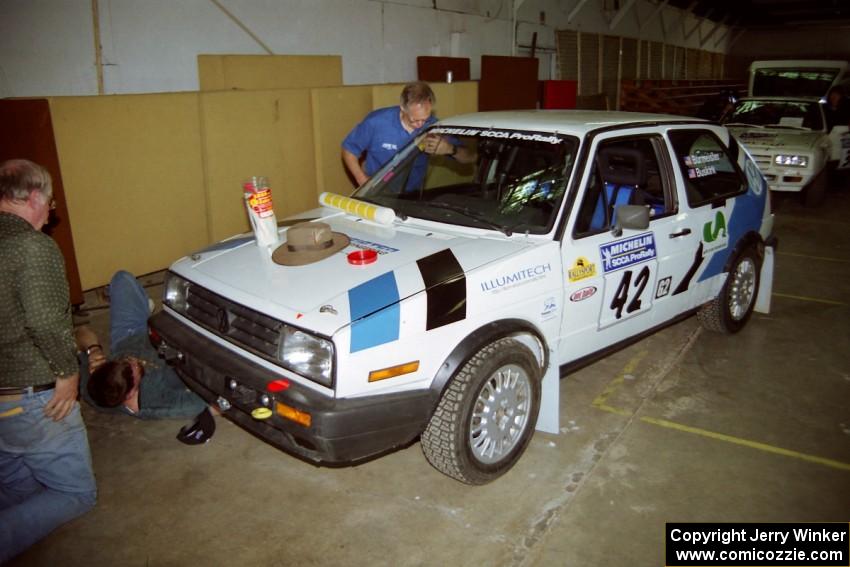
709,172
626,171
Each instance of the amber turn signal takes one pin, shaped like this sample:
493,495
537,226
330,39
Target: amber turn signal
393,371
292,414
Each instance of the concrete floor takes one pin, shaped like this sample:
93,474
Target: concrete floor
683,426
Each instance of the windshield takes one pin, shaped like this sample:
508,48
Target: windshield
793,82
506,180
777,114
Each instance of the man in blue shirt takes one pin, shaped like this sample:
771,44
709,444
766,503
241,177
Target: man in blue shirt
385,131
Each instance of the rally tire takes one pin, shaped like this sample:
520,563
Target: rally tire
456,442
731,309
815,193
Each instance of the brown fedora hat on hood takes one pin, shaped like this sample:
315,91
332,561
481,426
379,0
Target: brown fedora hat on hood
308,242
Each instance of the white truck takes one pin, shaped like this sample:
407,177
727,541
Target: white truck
445,299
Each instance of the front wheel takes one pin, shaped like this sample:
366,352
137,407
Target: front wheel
731,309
487,414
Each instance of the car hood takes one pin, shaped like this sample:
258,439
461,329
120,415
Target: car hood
777,139
316,296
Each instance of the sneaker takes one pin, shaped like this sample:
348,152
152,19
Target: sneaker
199,431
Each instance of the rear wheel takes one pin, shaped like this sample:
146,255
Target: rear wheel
732,308
487,414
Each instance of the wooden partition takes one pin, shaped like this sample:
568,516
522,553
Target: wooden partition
28,134
673,97
249,72
249,133
133,178
150,178
335,112
508,83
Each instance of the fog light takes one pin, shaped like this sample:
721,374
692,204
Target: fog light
223,404
231,384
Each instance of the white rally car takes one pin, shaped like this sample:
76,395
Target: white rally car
788,139
454,295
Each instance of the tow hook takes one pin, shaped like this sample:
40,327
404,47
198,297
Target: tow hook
169,353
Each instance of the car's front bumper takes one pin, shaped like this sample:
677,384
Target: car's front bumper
341,430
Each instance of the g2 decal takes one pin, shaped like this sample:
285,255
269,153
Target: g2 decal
663,287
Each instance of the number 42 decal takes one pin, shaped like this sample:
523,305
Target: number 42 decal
628,289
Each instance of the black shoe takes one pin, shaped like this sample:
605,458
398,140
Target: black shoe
200,431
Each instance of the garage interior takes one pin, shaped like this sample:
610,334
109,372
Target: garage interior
149,115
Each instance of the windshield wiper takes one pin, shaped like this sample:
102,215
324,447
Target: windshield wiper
467,212
743,124
787,127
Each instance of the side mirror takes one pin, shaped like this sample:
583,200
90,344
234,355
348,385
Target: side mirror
634,217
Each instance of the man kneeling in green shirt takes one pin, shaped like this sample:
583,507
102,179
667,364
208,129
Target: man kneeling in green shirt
134,380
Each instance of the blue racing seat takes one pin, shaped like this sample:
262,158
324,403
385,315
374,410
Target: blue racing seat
622,171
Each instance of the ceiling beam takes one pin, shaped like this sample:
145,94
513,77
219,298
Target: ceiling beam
712,31
736,37
576,9
699,23
621,13
655,12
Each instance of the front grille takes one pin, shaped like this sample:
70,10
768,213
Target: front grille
763,161
244,327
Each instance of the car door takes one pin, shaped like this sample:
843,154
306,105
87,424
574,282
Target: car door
621,283
716,199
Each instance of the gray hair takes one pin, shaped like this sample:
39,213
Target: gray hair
20,177
417,93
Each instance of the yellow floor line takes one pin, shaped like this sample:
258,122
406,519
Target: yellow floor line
601,403
730,439
824,258
618,380
812,299
747,443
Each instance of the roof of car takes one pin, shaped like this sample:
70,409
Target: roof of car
782,98
576,122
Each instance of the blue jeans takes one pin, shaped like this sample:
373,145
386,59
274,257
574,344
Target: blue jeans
46,476
128,307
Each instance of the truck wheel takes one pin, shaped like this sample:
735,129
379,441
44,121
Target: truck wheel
487,414
815,193
731,309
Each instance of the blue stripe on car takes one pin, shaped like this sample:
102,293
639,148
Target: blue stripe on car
375,312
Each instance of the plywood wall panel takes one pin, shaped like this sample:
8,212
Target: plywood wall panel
250,133
133,179
335,112
247,72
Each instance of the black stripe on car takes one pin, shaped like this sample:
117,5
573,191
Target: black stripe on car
445,287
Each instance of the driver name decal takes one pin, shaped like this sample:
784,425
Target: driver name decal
627,252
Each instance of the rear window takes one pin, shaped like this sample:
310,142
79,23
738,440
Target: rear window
794,82
709,172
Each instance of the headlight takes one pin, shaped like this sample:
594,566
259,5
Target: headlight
306,354
176,290
791,160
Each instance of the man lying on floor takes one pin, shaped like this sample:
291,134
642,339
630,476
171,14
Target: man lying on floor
134,380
